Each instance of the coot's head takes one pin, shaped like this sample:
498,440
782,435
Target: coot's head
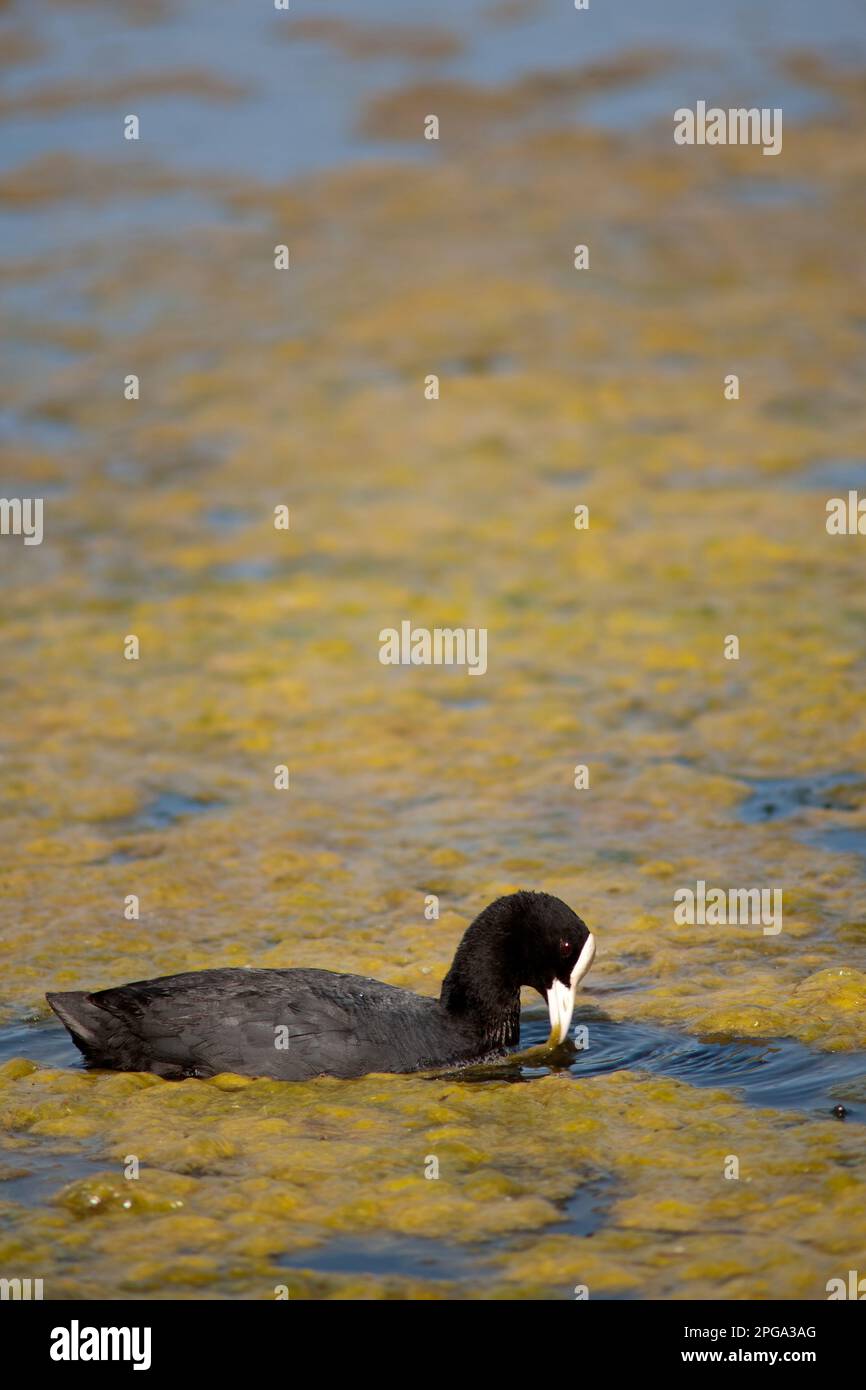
524,939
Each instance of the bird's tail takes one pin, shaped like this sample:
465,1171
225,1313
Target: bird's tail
82,1017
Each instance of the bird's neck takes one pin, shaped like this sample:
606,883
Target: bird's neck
478,993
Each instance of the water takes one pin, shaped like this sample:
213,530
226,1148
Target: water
279,109
781,798
833,477
583,1214
162,811
840,839
775,798
778,1073
33,1177
260,648
425,1259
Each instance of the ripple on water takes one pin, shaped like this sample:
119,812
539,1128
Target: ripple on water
775,1073
40,1173
43,1043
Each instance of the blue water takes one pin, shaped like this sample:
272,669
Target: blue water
299,104
774,798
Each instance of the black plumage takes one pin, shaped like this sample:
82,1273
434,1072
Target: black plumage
297,1024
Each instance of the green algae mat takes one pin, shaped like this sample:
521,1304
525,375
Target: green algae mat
142,830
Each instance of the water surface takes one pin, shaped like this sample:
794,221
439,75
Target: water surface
154,779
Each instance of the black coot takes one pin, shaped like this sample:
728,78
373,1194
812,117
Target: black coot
296,1024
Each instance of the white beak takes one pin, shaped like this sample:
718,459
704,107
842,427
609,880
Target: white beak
560,997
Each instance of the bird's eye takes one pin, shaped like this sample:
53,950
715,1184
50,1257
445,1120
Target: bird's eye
565,947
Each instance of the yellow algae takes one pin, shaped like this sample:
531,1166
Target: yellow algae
415,42
105,1193
15,1068
227,1081
466,1205
59,96
472,106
